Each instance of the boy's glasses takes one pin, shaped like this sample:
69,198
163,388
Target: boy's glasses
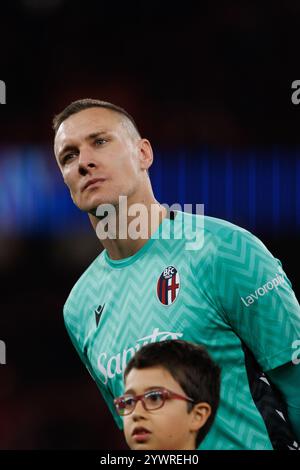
152,400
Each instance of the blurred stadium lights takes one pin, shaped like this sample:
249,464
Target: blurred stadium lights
257,190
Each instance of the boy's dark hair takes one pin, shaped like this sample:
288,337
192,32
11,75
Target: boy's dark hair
191,366
86,103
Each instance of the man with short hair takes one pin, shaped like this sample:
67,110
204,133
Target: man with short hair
225,291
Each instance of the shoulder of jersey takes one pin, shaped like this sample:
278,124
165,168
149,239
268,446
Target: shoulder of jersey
90,271
215,226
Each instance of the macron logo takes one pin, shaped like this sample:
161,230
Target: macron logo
98,313
261,291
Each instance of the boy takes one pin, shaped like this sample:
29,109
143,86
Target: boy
171,396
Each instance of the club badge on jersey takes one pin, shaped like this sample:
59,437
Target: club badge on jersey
168,285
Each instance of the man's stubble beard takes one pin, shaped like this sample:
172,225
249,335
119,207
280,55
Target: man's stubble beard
114,202
94,210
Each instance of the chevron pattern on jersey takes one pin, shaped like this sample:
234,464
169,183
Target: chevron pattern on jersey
230,264
243,266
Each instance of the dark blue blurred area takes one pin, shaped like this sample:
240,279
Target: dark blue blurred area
259,190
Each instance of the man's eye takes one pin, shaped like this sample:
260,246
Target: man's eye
68,157
100,141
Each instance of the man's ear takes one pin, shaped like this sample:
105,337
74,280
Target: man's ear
145,154
199,415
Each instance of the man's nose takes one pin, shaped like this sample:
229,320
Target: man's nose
86,161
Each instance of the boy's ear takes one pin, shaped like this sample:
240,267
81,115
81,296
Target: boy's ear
199,415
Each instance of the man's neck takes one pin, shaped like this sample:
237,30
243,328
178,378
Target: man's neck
124,240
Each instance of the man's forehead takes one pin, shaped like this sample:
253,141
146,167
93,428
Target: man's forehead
78,126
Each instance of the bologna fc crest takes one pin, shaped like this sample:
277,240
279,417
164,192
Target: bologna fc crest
168,285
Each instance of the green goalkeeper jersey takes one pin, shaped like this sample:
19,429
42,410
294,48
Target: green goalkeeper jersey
203,280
